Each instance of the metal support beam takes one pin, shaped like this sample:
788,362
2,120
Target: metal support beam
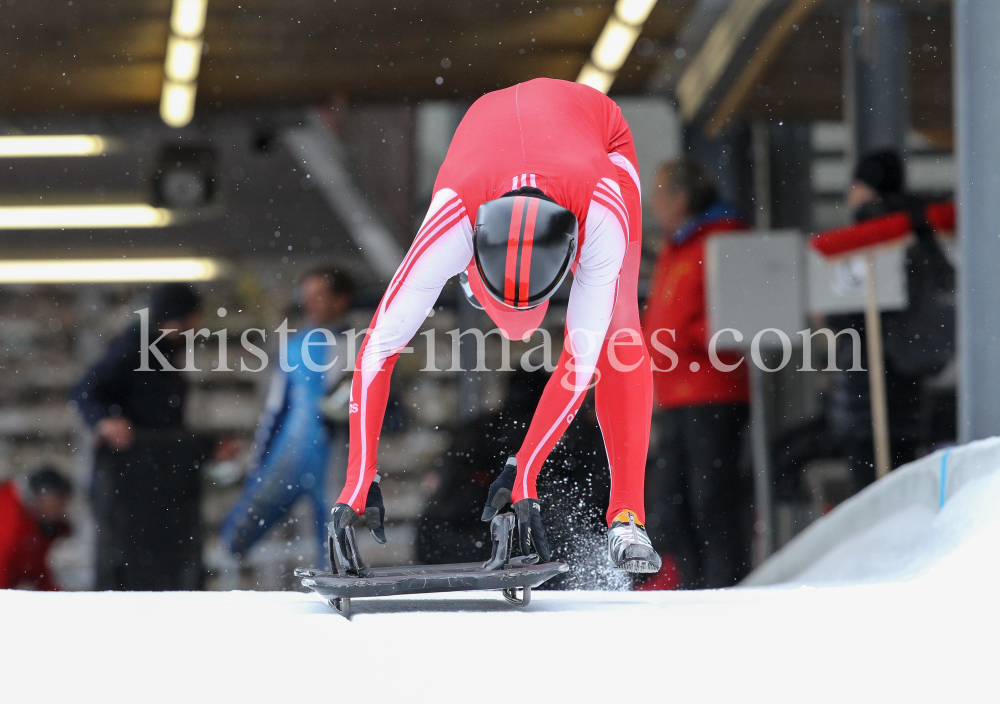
760,147
876,81
763,535
752,71
977,102
763,479
319,150
733,57
700,21
790,175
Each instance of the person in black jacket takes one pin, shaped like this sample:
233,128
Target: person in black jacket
451,528
145,489
876,190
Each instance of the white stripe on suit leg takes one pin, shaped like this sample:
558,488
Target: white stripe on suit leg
548,434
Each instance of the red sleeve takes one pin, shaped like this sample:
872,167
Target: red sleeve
865,234
841,240
941,216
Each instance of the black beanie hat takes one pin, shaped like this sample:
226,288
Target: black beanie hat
173,301
882,170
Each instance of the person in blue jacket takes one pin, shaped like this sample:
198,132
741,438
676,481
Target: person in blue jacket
294,444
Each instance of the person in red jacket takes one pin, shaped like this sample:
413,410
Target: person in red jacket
693,493
32,516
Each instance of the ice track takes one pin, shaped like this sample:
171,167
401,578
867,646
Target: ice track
905,611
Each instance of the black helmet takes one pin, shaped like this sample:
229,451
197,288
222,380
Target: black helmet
525,245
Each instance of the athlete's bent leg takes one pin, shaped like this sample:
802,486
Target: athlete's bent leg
624,399
560,401
624,393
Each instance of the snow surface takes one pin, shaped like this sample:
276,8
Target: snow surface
907,611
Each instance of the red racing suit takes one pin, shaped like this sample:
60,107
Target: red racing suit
571,142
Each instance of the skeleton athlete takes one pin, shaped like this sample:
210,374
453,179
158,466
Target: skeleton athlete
540,179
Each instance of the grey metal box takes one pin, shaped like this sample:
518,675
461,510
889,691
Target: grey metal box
754,281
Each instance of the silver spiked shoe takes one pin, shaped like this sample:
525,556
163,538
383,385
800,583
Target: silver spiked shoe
629,547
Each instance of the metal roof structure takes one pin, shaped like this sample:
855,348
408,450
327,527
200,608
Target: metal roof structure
724,59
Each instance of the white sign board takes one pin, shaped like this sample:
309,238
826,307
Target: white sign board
754,281
837,284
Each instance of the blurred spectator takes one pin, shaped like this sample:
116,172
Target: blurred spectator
146,490
303,428
878,189
694,486
32,516
451,528
450,525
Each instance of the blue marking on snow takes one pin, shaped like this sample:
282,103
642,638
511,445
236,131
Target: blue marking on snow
944,476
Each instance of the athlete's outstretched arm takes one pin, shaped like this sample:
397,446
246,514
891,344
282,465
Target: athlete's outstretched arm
441,249
591,305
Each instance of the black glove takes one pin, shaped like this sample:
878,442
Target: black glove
375,511
500,490
530,529
528,511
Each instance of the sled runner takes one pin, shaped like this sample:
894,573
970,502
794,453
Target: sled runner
351,578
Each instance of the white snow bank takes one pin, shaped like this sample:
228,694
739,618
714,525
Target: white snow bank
882,532
883,551
926,630
916,539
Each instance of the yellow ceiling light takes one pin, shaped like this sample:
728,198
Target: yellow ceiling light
54,217
634,12
183,59
177,103
53,145
187,19
51,271
615,43
594,77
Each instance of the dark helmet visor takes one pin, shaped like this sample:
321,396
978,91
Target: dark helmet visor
524,247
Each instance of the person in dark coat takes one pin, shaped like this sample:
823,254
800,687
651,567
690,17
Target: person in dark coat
451,527
878,189
145,490
32,517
